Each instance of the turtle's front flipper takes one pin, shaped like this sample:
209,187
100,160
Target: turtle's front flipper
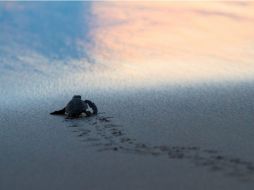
59,112
92,105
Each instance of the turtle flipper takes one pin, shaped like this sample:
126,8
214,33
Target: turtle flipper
59,112
92,105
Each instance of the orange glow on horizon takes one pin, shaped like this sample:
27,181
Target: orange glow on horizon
170,41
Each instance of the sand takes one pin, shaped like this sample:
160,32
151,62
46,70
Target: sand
181,138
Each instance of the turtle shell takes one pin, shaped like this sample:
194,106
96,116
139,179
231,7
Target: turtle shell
75,107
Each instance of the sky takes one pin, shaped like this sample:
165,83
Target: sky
130,44
178,41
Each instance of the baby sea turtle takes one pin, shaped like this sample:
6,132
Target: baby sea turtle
76,107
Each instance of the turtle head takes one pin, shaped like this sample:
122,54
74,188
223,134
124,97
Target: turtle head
76,96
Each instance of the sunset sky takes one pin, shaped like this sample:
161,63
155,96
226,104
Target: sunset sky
176,41
135,43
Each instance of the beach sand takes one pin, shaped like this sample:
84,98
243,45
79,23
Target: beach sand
180,138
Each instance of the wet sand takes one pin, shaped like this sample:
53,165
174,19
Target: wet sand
188,137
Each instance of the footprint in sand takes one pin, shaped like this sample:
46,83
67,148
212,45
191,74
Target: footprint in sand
104,135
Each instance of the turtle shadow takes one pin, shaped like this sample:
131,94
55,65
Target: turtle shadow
103,134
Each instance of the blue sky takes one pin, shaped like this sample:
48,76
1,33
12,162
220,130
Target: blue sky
49,28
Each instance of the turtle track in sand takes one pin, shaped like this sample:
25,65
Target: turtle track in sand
104,135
